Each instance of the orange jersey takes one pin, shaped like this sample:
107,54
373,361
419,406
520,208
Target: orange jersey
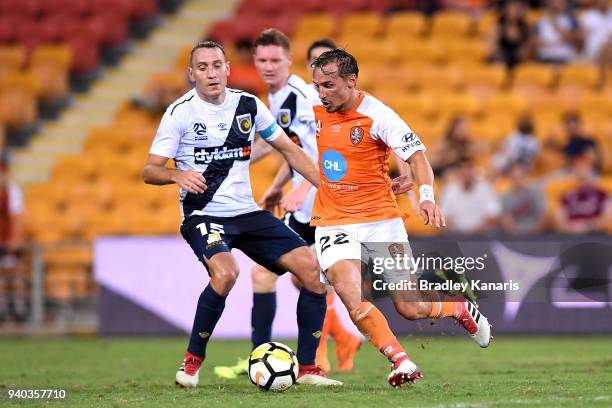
354,149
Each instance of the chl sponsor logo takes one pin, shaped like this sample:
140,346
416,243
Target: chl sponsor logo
204,155
334,165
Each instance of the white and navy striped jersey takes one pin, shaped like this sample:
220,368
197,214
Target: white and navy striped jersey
292,107
215,140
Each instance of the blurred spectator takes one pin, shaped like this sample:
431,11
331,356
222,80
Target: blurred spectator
512,34
557,35
469,204
243,73
578,143
586,208
523,205
500,4
315,49
597,25
13,294
520,146
428,7
466,5
454,146
4,150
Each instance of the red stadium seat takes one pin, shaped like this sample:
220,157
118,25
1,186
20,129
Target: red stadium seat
30,9
222,31
115,19
116,7
264,7
141,9
8,27
31,33
86,53
312,6
49,29
346,6
72,8
88,28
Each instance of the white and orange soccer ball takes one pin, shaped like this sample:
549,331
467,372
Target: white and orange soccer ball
273,367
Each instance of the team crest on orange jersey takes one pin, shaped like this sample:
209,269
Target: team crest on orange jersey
396,250
318,125
356,135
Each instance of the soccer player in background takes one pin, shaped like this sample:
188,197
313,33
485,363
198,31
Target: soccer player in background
290,101
209,133
354,207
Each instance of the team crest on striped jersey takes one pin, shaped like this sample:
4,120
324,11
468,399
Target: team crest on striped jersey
284,117
245,122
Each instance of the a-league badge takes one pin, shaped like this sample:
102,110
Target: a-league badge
244,122
356,135
396,250
284,117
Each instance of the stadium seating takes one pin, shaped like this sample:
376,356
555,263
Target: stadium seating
405,26
426,69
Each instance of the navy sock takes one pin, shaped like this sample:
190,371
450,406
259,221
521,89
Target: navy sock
262,316
210,308
311,309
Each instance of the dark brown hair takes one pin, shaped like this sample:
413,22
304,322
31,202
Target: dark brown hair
272,36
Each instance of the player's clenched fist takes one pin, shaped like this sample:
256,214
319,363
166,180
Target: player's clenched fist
271,199
432,215
401,184
191,181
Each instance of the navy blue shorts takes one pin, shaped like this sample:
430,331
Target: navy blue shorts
260,235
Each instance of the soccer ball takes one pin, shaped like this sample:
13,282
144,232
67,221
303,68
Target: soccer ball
273,367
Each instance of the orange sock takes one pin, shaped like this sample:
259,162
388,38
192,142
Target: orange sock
336,329
374,326
445,306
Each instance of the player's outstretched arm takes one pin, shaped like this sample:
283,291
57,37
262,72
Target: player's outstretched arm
297,158
423,174
406,177
155,172
260,149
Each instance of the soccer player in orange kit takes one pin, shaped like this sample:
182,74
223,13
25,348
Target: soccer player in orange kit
355,207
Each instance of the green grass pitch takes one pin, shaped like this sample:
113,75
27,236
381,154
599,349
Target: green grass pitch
139,372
